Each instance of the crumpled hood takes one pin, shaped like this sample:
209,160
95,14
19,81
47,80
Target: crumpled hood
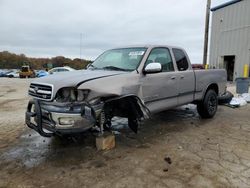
74,78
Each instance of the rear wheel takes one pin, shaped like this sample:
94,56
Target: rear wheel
208,106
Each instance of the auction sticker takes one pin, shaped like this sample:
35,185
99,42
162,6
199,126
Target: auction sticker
135,53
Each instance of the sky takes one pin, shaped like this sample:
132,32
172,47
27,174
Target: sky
51,28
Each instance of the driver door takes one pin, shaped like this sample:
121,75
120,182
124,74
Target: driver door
159,90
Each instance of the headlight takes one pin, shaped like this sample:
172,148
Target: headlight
66,95
82,95
71,95
66,92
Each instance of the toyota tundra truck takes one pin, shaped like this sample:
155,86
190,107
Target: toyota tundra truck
131,82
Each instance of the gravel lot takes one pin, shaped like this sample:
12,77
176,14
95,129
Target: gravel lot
174,149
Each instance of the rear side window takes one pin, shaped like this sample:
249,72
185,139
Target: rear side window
181,59
63,70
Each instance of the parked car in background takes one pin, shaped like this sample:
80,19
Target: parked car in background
60,70
13,74
198,66
26,71
41,73
3,73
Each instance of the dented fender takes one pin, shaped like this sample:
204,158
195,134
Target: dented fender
120,85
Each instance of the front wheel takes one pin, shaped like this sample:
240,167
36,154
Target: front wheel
208,106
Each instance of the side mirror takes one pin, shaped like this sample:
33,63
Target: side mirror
153,68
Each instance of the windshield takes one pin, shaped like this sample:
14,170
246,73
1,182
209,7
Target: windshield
123,59
25,69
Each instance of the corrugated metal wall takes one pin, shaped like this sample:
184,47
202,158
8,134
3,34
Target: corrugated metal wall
230,35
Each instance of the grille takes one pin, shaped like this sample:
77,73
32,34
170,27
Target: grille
40,91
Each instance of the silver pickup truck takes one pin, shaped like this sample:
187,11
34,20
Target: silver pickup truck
130,82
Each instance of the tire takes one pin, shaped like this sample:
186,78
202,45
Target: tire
226,98
208,106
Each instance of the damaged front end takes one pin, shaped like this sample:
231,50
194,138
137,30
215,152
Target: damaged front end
71,112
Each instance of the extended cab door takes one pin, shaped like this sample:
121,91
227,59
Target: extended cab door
185,77
160,89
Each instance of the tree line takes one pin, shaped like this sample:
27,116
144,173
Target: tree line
14,61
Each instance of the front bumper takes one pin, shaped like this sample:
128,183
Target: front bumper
49,119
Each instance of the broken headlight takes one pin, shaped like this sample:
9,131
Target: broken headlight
82,95
71,95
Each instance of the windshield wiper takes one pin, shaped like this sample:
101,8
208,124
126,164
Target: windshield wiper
116,68
91,66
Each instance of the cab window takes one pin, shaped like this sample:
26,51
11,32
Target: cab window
62,70
162,56
181,60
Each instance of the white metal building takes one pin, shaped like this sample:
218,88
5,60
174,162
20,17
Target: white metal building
230,37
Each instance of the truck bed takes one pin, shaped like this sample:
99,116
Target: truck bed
204,78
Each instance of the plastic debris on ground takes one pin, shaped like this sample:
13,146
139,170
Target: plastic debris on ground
238,101
246,97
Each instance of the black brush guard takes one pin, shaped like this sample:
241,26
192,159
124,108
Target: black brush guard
37,115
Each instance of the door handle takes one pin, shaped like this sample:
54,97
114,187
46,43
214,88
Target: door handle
182,76
173,77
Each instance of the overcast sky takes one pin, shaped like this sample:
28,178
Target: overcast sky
49,28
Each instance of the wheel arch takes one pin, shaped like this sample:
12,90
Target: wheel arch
128,106
212,86
129,99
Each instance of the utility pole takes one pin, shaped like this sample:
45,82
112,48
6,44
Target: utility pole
206,32
80,46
